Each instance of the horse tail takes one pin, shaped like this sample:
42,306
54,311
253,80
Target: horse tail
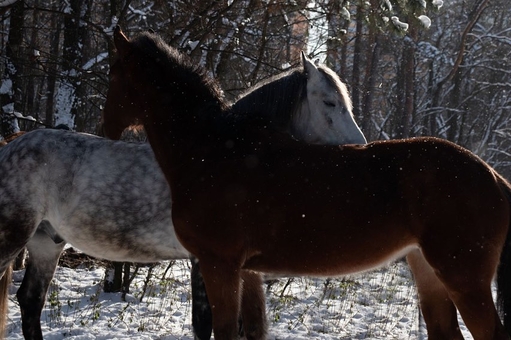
504,269
5,281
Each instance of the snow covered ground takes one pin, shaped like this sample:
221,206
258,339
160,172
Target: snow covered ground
377,305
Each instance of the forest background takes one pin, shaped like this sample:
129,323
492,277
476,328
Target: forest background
413,67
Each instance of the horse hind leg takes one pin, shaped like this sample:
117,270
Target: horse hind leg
43,258
475,304
15,231
5,282
437,308
467,278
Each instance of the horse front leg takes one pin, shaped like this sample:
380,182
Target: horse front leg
223,286
44,254
201,311
253,306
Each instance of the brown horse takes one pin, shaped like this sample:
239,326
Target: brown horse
11,137
248,198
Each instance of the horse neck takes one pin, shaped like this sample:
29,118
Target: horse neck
180,105
275,102
162,146
181,127
175,93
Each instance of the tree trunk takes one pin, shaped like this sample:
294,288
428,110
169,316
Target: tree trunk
68,101
51,80
30,101
78,110
407,77
333,45
373,55
438,87
453,116
357,54
11,80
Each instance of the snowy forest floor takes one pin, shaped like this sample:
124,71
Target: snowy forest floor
376,305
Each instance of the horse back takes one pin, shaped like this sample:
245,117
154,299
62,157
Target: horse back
286,193
85,186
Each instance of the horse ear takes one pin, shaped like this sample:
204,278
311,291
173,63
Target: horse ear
308,65
122,44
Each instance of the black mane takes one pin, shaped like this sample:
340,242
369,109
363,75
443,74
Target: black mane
273,101
271,104
166,67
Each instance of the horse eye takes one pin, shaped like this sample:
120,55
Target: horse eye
330,104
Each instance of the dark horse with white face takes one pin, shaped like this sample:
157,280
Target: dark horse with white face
249,198
59,187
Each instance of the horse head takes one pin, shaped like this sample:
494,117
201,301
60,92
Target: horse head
326,114
148,75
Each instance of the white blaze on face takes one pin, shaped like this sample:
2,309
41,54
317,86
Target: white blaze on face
326,116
